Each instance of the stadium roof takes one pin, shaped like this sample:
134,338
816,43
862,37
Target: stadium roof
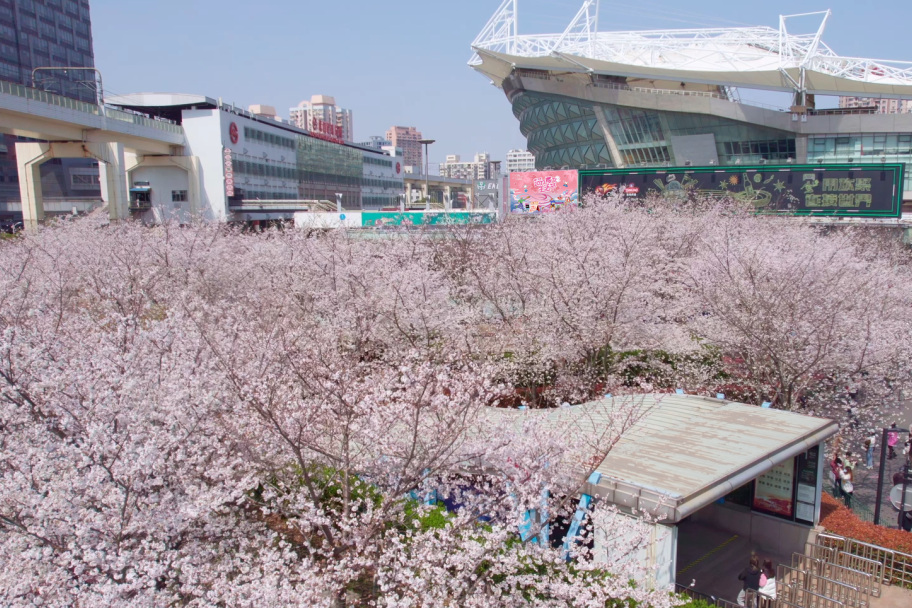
683,451
751,57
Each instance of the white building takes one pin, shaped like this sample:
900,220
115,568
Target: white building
321,114
480,168
520,160
236,166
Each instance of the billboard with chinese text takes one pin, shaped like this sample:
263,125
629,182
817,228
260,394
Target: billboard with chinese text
825,190
774,489
380,219
543,191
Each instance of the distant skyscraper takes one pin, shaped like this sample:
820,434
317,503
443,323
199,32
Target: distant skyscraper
481,168
520,160
48,33
406,139
323,108
884,106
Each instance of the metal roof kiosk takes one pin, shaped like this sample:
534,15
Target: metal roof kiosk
699,464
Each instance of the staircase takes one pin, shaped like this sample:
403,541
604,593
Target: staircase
833,572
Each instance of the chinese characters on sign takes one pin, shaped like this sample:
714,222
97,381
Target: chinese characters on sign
543,191
840,190
773,490
229,173
322,129
837,192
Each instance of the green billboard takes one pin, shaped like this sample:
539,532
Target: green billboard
379,219
824,190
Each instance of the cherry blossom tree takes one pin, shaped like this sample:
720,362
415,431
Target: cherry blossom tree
198,416
810,320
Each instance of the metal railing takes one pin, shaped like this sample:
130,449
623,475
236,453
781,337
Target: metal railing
684,93
842,111
709,599
145,121
60,101
709,94
896,565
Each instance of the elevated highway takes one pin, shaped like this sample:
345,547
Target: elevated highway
69,128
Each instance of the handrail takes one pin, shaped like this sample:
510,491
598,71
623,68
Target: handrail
29,93
897,566
709,94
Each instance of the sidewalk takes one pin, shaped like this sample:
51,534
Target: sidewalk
892,597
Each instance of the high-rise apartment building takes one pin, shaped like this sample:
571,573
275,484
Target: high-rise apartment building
322,115
480,168
406,139
884,106
48,33
520,160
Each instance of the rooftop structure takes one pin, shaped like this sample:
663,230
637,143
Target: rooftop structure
757,57
687,451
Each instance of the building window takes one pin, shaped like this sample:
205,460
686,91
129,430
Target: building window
178,196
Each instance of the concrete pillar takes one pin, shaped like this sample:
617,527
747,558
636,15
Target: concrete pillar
602,121
408,194
801,148
447,197
427,196
112,171
29,158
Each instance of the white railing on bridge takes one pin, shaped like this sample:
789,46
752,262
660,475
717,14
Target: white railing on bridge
24,92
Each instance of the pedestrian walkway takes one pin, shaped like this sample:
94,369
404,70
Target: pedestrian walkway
709,560
893,597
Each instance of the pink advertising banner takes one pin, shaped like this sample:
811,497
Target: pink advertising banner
543,191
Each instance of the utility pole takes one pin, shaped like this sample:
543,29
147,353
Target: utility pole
427,190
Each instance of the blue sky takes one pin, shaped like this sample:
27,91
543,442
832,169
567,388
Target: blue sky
404,61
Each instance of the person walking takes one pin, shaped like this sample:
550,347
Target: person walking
848,487
836,469
751,577
892,440
870,443
768,586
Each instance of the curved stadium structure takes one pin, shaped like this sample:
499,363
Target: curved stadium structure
587,99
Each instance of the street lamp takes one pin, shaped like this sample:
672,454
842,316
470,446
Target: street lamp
427,190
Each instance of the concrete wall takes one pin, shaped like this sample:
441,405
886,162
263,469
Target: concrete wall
768,534
164,180
206,130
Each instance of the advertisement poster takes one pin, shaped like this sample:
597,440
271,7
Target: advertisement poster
543,191
773,490
393,219
835,190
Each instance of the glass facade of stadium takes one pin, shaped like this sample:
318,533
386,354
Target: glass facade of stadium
565,132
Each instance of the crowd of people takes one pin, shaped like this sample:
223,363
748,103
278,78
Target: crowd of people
842,468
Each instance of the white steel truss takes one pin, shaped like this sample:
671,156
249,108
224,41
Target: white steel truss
748,49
